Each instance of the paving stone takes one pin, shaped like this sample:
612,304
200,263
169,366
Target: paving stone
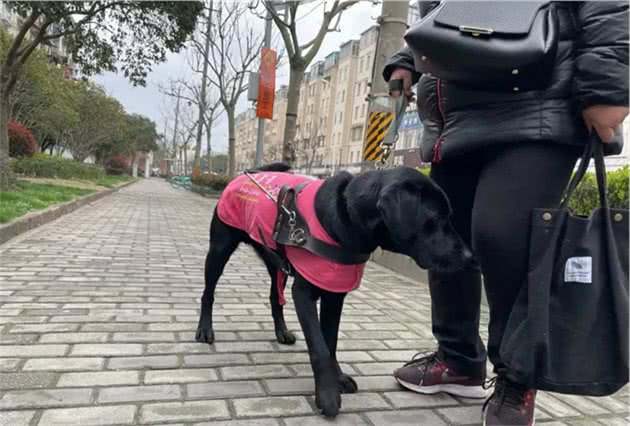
173,348
64,364
88,416
181,375
377,368
138,393
254,372
138,362
363,401
9,364
107,349
26,380
406,399
225,389
340,420
101,378
271,406
292,386
44,398
241,422
405,417
149,336
16,418
73,338
376,383
32,350
184,411
215,360
470,415
43,328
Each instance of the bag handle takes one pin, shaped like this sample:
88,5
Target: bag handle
593,149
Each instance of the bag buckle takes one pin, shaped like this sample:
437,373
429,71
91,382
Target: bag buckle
475,31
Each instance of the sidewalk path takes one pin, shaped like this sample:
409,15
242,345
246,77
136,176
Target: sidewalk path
98,312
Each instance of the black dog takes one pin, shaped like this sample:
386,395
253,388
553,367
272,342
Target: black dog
399,210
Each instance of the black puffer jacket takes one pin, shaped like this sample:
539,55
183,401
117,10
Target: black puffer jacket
591,68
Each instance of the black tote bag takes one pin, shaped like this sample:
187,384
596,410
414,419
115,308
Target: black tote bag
568,330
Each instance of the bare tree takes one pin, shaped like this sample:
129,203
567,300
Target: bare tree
300,54
234,49
306,153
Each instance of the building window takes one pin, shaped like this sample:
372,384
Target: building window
362,110
357,131
356,112
343,96
362,64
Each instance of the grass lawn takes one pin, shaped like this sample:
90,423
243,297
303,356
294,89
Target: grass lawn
111,181
31,196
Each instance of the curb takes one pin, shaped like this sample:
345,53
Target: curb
38,218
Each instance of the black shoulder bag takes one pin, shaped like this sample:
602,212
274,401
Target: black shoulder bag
493,45
568,330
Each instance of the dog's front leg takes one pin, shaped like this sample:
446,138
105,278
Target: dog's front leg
330,317
327,391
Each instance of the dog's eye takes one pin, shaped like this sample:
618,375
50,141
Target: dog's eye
429,226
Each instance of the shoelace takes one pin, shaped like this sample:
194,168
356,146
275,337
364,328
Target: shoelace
424,361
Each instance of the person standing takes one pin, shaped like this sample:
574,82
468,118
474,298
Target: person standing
498,156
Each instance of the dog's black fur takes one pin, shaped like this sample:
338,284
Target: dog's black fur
399,210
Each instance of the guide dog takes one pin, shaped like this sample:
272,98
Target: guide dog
398,210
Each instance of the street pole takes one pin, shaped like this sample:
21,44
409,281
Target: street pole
260,133
179,89
392,26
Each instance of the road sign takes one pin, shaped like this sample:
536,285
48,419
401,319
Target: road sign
378,122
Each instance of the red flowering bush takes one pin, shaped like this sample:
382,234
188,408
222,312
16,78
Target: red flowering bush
117,165
21,141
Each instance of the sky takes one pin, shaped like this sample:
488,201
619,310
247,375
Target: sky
150,102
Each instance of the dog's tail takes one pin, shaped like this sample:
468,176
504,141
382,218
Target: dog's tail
273,167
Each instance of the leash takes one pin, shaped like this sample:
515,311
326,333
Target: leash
391,137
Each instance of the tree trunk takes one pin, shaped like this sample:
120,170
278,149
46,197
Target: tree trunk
185,160
231,141
209,146
296,76
204,77
7,177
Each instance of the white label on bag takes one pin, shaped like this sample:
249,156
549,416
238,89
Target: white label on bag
579,270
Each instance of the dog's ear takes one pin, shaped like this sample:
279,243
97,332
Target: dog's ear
399,208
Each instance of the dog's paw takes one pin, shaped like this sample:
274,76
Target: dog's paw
347,384
204,335
285,337
328,402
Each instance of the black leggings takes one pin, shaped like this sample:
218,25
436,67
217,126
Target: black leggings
492,193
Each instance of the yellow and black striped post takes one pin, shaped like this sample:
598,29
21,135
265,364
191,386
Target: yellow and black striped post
378,123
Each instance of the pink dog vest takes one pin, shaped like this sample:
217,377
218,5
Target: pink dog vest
243,205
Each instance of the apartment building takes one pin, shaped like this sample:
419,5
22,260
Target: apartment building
56,48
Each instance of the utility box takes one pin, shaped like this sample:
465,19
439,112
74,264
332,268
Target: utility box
252,87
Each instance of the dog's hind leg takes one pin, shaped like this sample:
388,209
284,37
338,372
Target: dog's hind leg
283,335
330,316
223,241
327,389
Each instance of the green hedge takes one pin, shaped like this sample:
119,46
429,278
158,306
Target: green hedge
586,198
215,182
42,165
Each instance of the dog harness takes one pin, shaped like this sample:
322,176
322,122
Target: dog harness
277,210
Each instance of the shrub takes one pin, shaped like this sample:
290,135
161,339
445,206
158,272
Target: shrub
21,141
117,165
586,198
216,182
43,165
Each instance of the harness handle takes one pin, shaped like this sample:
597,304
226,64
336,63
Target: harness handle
391,137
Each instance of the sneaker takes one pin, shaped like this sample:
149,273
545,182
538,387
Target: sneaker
509,405
427,373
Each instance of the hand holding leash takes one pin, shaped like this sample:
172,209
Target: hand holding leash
395,86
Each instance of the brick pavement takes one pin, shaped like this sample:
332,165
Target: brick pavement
97,320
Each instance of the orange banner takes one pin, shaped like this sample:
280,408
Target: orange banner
266,84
